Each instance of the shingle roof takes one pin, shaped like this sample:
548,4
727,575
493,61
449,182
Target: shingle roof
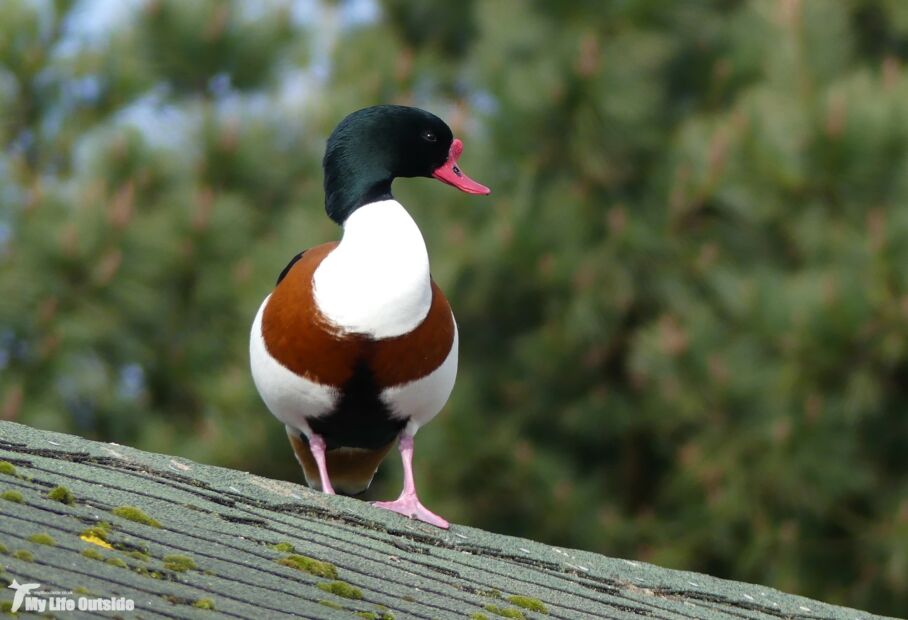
231,530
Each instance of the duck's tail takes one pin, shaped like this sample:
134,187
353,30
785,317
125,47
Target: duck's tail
351,469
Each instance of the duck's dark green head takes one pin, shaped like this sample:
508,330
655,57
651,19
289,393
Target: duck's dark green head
373,146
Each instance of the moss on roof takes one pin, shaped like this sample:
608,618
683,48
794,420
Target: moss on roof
237,530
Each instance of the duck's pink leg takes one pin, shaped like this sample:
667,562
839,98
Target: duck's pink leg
408,503
317,447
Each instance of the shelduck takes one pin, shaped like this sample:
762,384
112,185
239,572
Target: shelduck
356,346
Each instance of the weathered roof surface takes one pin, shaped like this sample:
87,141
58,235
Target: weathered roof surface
228,522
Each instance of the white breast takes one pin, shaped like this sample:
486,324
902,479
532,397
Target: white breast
290,398
376,281
421,400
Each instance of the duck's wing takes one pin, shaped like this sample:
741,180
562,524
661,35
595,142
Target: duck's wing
289,266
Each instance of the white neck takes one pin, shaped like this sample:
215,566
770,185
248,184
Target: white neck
376,281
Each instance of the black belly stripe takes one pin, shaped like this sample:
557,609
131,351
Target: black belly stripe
360,419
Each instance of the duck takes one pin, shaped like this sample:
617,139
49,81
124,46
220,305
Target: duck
356,346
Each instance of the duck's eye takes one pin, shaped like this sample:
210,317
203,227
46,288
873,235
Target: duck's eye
428,135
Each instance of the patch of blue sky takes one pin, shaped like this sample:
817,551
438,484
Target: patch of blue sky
131,383
162,123
359,13
92,21
308,12
483,102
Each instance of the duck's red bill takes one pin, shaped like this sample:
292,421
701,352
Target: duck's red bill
450,173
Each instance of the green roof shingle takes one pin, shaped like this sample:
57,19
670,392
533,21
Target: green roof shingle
232,544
